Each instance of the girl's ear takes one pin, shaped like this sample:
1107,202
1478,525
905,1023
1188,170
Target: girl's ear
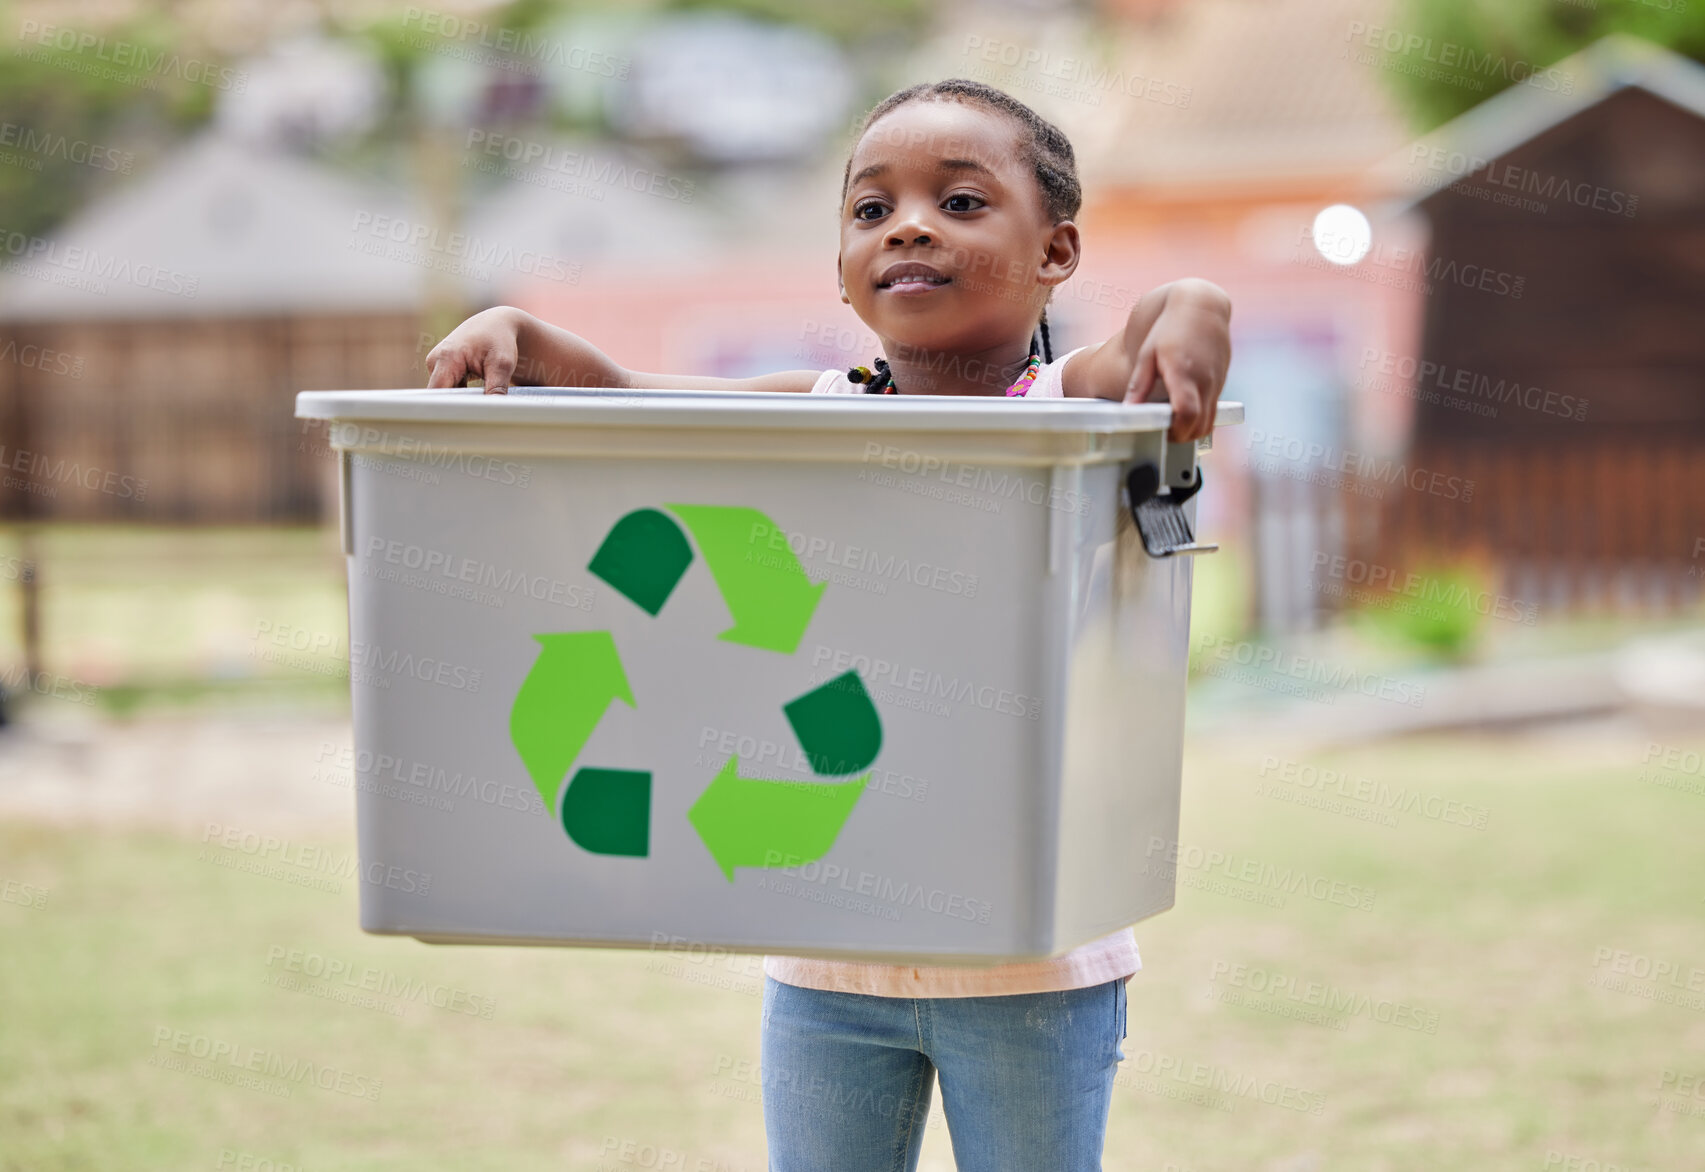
841,281
1064,250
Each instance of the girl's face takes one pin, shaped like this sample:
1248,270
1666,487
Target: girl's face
945,244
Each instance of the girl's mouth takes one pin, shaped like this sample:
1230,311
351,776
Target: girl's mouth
913,278
911,286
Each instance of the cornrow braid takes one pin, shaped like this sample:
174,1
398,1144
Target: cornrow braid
1045,148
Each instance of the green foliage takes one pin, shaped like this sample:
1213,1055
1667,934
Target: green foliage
87,114
1513,38
846,22
1443,617
400,43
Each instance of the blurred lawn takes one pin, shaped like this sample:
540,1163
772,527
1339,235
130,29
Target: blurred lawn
1490,933
589,1055
152,614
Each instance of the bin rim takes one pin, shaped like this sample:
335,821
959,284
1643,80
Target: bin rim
592,406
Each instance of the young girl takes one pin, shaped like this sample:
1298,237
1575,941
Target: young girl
956,224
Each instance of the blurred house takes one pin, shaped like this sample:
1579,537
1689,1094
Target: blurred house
1574,398
1510,375
161,335
1208,136
1231,127
150,351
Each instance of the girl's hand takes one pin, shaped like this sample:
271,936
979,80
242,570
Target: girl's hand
1183,356
486,346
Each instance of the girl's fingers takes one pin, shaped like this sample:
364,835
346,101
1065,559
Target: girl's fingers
1142,377
499,368
1186,397
449,369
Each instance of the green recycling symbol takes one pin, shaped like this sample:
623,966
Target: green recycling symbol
744,821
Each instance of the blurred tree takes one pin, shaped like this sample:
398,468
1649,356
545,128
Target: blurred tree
1472,49
440,85
845,21
73,118
445,78
407,52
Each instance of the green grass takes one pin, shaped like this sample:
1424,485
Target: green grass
161,617
1492,933
167,617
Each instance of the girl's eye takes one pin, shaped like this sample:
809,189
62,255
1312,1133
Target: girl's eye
963,195
860,209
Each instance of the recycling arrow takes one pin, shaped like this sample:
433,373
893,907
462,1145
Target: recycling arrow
764,588
769,595
608,811
753,822
643,556
576,677
743,821
748,822
837,725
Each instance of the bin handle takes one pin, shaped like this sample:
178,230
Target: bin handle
1160,519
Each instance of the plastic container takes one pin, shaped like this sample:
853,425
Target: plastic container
871,678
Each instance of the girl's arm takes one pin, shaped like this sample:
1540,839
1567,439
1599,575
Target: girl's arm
1178,338
507,347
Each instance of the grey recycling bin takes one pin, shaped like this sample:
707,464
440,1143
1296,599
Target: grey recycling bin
882,679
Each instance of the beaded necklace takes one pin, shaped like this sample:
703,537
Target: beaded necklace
881,381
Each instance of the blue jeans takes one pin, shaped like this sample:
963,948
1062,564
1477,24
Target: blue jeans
1026,1080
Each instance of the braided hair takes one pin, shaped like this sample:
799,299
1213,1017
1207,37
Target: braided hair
1044,148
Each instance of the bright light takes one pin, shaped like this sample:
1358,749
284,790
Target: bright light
1342,234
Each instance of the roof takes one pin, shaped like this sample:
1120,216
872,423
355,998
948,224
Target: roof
1270,95
591,204
218,227
1522,112
224,228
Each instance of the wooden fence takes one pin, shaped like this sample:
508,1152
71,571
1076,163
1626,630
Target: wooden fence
182,421
1589,527
193,421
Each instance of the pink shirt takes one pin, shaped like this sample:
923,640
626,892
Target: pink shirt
1046,386
1110,958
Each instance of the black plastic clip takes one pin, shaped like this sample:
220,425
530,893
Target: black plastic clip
1160,519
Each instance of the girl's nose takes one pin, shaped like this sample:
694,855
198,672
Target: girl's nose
909,228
